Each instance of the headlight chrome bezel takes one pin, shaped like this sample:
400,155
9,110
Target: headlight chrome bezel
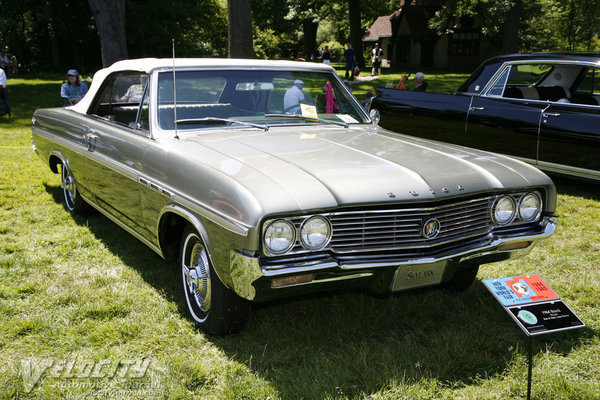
301,242
538,209
305,225
517,206
513,212
272,225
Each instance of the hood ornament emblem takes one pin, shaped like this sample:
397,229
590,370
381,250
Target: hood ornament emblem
391,195
431,228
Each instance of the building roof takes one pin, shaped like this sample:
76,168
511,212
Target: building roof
382,27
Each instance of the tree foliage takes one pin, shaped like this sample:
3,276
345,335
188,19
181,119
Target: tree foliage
526,25
47,35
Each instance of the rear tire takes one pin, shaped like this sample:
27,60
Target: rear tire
462,279
73,200
214,308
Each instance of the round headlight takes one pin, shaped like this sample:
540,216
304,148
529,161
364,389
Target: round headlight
530,207
279,236
505,210
315,233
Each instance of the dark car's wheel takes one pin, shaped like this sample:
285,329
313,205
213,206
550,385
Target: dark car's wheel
216,309
73,200
462,279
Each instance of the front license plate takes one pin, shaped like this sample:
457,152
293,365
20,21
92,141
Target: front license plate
414,276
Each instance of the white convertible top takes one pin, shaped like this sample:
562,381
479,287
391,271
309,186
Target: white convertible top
147,65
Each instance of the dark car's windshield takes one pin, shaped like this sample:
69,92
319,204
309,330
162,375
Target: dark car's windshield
265,97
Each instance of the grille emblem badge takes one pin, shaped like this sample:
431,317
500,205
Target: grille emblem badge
431,228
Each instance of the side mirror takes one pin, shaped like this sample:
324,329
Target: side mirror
375,116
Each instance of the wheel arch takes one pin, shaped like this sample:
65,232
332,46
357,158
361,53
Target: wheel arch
172,222
55,159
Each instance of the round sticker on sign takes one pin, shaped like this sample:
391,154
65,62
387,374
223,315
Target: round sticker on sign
527,317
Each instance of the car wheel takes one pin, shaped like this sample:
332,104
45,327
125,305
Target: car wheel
462,279
214,308
73,200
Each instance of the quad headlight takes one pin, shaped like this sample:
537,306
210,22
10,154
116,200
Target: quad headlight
530,207
279,236
284,235
505,210
517,208
315,233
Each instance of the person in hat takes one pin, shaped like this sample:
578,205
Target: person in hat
73,90
293,97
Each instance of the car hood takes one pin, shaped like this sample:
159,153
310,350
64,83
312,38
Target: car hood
307,168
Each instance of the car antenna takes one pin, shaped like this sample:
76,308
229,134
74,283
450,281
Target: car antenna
174,92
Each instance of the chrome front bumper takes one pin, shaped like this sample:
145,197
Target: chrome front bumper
426,271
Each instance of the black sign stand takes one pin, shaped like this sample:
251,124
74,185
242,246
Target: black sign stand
530,369
535,307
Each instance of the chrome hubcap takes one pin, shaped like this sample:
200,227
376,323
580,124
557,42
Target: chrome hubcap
197,277
68,186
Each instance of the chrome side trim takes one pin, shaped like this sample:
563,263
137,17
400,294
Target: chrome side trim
569,170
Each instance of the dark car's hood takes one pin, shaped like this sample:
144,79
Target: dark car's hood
318,167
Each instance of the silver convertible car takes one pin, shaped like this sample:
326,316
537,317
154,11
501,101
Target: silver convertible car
267,179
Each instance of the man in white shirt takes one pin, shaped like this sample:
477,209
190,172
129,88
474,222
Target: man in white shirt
293,97
2,79
4,100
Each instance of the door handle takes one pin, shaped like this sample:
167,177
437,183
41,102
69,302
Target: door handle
546,115
90,138
476,108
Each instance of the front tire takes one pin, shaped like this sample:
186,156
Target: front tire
214,308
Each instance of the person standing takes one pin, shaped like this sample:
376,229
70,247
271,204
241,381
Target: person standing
4,61
73,90
4,99
376,54
350,57
326,56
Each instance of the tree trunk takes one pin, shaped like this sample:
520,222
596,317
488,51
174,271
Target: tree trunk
310,37
110,23
239,29
356,32
510,30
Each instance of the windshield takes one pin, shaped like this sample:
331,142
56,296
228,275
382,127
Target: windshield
241,97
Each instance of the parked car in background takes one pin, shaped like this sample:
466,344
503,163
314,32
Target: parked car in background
211,167
543,109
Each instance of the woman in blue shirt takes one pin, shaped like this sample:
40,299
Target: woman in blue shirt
73,89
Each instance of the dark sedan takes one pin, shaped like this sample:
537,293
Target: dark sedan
540,108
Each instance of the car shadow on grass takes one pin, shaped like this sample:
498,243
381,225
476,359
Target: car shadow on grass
353,344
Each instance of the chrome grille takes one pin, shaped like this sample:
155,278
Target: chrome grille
401,228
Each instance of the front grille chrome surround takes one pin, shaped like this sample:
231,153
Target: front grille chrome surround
402,227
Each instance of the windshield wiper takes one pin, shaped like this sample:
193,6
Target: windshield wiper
328,121
216,120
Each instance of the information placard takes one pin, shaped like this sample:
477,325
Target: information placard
520,290
540,318
534,306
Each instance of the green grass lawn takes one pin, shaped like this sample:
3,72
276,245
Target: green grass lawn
87,311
